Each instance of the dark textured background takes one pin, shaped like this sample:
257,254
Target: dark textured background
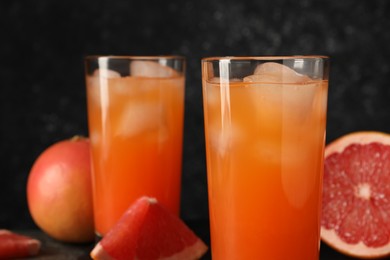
43,43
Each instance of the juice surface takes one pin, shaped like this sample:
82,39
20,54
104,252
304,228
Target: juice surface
264,145
136,135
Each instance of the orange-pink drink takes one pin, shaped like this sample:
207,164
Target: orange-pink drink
264,139
136,130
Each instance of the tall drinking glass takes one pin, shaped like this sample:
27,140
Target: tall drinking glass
265,132
135,117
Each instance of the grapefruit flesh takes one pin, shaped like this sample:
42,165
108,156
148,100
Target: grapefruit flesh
13,245
147,231
356,195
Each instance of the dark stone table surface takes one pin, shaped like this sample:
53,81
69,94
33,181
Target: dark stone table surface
52,249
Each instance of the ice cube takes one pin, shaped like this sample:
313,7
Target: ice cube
276,86
125,86
93,90
151,69
139,117
95,137
222,138
106,73
275,72
97,85
212,96
299,98
297,173
266,78
294,158
293,102
219,80
216,91
220,142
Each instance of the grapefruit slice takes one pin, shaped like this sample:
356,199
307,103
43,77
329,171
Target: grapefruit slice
356,195
13,245
147,231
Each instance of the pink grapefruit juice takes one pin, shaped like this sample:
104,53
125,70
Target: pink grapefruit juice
264,146
136,136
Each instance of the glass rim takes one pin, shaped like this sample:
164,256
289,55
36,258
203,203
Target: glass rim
264,58
135,57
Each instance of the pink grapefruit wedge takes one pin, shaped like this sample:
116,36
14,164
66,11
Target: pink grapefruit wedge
356,195
14,245
147,231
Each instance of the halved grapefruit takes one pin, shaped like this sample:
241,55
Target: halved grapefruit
356,195
14,245
147,231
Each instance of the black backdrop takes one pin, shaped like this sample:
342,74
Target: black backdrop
43,43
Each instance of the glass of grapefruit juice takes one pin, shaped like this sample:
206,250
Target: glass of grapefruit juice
265,121
135,117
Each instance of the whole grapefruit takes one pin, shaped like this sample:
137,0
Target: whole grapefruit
59,192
